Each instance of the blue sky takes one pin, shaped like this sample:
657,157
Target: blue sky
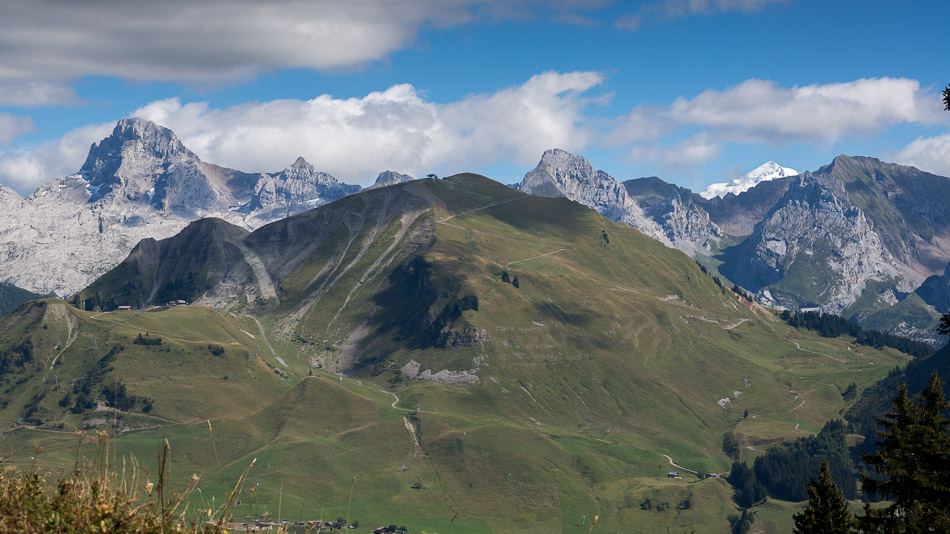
693,91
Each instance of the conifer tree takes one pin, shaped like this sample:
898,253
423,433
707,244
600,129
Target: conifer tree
944,327
914,457
827,511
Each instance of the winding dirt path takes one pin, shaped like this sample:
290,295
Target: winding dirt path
71,337
733,325
674,464
395,402
493,204
510,263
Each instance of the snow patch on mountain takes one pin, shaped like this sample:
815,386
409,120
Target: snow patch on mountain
763,173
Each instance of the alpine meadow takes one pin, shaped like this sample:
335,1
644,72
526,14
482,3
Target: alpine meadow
308,267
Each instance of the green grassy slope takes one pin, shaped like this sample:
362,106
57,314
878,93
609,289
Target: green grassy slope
611,352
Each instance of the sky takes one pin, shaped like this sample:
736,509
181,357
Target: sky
692,91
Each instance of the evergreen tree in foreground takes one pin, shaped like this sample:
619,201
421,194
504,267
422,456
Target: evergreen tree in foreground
827,511
944,327
914,457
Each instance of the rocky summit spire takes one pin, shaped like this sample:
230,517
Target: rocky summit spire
132,160
392,177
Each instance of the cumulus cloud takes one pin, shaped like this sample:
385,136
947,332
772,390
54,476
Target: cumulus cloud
354,138
24,170
931,154
761,111
13,126
685,154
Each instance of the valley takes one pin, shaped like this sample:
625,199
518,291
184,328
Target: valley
549,363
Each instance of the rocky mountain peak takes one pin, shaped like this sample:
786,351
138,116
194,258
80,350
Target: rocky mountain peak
134,135
560,173
297,188
300,163
302,170
131,162
564,162
392,177
666,214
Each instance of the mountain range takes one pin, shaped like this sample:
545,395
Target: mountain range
858,237
435,349
140,182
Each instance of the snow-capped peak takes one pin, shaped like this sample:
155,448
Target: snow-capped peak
763,173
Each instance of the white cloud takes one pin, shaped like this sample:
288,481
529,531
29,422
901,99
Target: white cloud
930,154
682,8
226,40
684,155
207,41
643,123
673,9
24,170
354,138
761,111
26,94
13,126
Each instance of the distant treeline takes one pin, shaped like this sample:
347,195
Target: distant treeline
830,325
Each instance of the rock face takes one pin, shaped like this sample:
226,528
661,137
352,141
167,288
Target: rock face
837,229
9,199
297,188
142,162
140,182
674,210
813,249
656,208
